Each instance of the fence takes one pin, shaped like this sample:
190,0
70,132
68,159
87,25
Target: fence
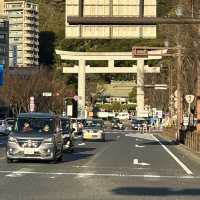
192,141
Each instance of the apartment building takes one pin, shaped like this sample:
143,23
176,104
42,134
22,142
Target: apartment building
4,41
23,33
1,6
109,9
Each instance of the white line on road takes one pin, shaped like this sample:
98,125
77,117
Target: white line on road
81,144
184,167
139,146
97,174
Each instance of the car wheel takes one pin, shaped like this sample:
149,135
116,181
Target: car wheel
9,160
54,160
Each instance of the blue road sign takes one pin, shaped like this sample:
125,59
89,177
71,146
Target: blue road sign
1,74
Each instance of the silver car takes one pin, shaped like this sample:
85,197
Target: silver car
35,136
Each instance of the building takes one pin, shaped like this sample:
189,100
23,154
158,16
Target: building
109,9
23,33
1,6
4,40
118,91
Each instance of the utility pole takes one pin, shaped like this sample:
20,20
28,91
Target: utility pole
179,92
198,95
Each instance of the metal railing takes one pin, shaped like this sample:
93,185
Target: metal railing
192,141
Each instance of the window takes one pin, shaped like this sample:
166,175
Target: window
2,24
2,50
2,36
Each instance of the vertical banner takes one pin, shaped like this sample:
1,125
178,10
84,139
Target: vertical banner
1,75
14,55
32,104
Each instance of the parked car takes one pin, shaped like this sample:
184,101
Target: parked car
117,124
36,136
94,130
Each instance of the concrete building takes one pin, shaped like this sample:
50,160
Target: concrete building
110,9
4,41
1,6
23,32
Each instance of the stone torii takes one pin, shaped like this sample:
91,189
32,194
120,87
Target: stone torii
82,69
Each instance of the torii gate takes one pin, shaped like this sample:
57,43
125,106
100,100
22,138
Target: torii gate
82,69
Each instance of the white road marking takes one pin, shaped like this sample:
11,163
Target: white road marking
145,136
138,146
19,173
81,144
184,167
136,162
97,174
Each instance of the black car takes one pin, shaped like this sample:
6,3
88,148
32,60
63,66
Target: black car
36,136
138,123
117,124
67,133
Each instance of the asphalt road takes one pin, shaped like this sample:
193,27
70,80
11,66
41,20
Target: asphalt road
128,165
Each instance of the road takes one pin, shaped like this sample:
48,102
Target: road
129,165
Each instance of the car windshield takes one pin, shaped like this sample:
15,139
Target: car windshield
116,121
94,124
138,121
29,125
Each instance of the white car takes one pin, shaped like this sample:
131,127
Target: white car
94,130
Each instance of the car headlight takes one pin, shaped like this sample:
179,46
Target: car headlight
12,139
48,140
100,132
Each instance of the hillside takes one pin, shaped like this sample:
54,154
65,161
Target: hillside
52,23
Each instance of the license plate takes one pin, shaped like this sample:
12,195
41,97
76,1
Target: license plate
94,136
29,151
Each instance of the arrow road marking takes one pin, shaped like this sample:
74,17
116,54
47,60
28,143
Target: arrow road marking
136,162
138,146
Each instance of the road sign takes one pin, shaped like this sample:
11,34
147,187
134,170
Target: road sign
139,53
189,98
69,110
46,94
